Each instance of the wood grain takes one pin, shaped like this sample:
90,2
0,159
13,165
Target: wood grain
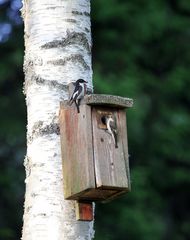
123,127
77,151
110,163
84,211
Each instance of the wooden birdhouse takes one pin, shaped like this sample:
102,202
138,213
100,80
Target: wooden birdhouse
95,160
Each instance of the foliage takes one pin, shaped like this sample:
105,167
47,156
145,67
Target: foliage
141,50
12,121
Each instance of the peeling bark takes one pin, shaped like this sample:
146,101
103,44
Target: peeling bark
40,131
57,52
51,84
75,58
70,39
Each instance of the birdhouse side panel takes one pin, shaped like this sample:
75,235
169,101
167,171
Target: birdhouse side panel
77,152
124,137
109,159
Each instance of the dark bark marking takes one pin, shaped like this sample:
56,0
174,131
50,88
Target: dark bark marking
33,195
81,13
70,20
39,130
44,82
87,30
87,14
77,13
28,209
74,58
41,215
70,39
38,165
52,84
54,7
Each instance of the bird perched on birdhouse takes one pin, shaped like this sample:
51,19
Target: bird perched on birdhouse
78,93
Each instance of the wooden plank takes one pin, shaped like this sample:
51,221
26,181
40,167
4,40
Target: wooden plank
84,211
110,166
116,195
98,194
123,126
110,100
77,152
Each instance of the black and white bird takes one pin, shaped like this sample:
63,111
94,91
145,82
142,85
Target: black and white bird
78,93
112,128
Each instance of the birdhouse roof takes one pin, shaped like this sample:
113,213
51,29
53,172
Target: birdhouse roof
109,100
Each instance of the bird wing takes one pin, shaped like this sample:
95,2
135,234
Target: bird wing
75,92
113,126
75,95
79,93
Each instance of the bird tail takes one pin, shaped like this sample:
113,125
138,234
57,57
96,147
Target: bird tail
115,139
77,105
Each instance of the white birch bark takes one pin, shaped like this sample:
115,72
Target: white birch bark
57,51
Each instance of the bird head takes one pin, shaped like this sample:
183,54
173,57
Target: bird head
110,117
81,81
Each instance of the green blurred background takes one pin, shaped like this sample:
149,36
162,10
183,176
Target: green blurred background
141,49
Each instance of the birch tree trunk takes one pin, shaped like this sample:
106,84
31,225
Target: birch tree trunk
57,51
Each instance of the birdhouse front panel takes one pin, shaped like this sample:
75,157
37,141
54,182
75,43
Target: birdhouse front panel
109,153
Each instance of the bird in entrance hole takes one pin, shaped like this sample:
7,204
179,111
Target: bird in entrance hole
111,126
78,93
